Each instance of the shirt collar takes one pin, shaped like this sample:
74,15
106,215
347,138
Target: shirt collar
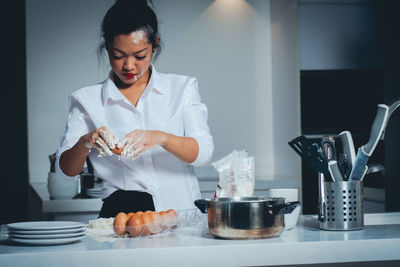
154,84
110,90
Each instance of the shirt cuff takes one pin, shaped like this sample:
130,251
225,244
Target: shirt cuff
206,148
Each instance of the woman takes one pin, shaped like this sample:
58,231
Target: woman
157,120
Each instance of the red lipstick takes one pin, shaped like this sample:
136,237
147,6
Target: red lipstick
128,75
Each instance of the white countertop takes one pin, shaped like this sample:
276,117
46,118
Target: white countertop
194,246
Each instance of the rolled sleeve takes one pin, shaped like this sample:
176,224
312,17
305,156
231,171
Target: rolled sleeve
76,126
195,121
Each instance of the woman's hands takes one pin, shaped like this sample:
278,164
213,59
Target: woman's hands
102,139
133,144
72,160
139,141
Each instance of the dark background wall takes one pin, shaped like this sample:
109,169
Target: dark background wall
14,171
392,91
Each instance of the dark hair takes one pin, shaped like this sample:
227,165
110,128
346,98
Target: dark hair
127,16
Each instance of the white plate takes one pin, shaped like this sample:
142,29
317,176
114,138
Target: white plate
44,225
41,232
50,236
56,241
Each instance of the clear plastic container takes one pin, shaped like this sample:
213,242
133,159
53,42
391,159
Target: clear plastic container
190,217
167,222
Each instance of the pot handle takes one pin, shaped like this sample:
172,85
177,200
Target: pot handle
201,204
285,208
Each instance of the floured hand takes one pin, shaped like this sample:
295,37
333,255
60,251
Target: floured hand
110,139
131,146
102,139
139,141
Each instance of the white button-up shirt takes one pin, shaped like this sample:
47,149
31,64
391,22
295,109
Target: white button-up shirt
169,103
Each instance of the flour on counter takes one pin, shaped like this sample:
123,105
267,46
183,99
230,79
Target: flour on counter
101,223
101,230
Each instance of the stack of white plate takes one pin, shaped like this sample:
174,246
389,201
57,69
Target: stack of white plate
94,192
46,232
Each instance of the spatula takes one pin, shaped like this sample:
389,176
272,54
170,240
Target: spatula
310,154
365,152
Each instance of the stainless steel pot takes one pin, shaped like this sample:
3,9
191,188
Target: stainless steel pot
246,217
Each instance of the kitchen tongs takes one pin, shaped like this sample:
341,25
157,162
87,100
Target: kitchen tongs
310,153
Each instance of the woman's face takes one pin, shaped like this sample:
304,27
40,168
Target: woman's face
130,56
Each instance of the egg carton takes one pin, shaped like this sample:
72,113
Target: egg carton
190,217
170,222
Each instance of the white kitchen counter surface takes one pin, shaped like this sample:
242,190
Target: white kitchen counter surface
193,246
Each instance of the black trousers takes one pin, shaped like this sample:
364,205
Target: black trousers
126,201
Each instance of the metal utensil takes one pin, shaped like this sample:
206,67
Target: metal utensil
327,150
348,150
365,152
321,197
375,167
328,147
310,154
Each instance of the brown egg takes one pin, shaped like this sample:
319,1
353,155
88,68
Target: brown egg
117,150
148,211
134,225
147,222
171,210
139,213
119,224
130,214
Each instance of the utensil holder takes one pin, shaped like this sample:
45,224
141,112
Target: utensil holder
341,206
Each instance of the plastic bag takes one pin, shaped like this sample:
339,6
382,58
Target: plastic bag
236,175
